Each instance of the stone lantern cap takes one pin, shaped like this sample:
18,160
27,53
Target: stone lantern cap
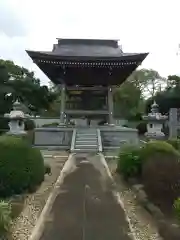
155,115
16,113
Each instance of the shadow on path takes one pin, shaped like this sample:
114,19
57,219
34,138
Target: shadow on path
84,210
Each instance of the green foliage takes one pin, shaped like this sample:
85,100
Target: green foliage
5,218
47,168
3,125
161,171
175,143
176,207
168,98
29,124
142,128
136,117
127,99
54,124
148,81
23,85
21,166
156,147
129,161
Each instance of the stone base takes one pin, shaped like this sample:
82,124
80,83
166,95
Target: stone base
158,136
113,137
21,133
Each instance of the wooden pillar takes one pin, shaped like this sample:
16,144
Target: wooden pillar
110,105
63,102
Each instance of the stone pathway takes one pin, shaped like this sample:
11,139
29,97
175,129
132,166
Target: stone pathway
85,209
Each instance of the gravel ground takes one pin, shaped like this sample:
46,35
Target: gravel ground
143,224
34,203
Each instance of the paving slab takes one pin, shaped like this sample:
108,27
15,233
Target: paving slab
84,209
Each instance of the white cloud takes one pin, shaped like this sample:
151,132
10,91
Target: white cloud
140,25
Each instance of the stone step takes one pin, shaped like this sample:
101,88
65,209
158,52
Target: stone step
85,146
86,134
84,150
84,137
88,141
80,131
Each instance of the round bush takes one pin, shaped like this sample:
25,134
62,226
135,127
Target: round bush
161,171
142,128
21,166
175,143
129,161
154,147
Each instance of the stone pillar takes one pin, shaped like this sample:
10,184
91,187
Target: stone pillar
173,122
110,105
63,102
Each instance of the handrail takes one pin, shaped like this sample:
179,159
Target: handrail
73,139
99,140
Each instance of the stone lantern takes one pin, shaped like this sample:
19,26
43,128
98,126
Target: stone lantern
155,121
16,120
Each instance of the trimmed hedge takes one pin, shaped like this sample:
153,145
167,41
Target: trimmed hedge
21,166
175,143
154,147
129,161
161,171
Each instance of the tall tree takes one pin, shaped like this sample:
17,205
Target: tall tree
148,81
170,97
127,100
22,84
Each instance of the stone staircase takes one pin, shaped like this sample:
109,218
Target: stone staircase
85,140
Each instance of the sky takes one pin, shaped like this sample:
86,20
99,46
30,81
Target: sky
141,25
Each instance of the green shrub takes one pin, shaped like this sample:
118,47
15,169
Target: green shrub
161,171
176,206
175,143
5,218
4,127
54,124
29,124
142,128
165,129
21,166
129,161
47,168
154,147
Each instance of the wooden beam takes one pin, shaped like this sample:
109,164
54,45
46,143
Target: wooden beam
80,88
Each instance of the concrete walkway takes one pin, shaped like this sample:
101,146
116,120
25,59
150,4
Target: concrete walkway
85,209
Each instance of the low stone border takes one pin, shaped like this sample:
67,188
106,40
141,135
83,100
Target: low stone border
167,230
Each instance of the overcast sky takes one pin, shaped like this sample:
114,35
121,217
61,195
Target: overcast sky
141,25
